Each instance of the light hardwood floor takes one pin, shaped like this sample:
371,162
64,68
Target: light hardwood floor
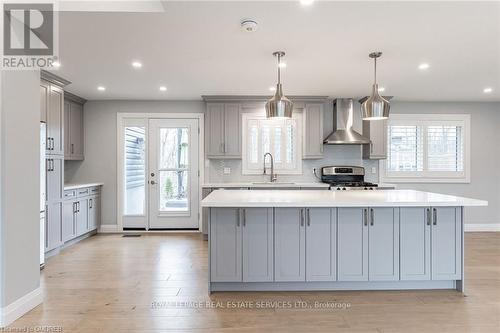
112,284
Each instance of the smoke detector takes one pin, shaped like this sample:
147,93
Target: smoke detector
249,25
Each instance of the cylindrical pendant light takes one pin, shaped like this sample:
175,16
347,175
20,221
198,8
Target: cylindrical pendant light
375,107
279,106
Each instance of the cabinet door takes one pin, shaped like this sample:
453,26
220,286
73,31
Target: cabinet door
232,130
225,245
415,243
55,178
383,244
257,244
82,216
215,130
313,136
94,209
376,131
352,244
54,222
76,132
321,244
289,248
68,221
44,93
446,247
55,121
67,125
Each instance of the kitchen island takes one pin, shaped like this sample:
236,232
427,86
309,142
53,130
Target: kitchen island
265,240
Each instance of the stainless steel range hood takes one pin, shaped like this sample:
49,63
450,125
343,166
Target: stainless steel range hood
343,117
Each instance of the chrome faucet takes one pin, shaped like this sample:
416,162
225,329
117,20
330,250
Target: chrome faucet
273,175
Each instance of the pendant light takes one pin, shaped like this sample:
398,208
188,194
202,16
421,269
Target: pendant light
279,106
375,107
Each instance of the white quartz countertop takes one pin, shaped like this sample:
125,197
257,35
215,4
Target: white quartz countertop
80,185
312,198
265,185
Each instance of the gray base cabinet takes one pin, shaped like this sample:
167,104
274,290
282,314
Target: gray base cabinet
53,232
446,243
321,244
353,244
94,208
68,221
257,224
290,241
82,216
415,244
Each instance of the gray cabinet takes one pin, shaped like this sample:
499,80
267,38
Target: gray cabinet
223,130
55,120
383,244
82,216
53,235
321,244
257,225
415,243
446,243
376,131
44,100
94,212
352,244
69,221
225,245
313,131
55,178
73,131
290,241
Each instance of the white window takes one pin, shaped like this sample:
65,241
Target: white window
280,137
427,148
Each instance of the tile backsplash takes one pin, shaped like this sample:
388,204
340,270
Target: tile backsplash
332,155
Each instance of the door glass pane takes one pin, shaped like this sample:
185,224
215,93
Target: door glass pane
174,148
173,191
134,171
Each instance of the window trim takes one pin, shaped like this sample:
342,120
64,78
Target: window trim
427,177
298,151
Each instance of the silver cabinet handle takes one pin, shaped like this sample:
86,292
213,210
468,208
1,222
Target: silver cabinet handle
244,217
308,217
72,148
372,217
428,216
74,207
90,203
435,217
365,216
238,217
302,217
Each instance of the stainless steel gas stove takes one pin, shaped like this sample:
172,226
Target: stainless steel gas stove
346,178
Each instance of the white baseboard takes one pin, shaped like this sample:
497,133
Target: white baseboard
109,229
19,307
489,227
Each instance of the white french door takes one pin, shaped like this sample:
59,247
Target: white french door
173,173
160,173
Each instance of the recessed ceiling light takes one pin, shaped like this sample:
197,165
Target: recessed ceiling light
306,2
282,64
163,88
136,64
101,88
272,88
381,89
423,66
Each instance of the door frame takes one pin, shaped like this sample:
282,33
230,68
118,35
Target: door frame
120,117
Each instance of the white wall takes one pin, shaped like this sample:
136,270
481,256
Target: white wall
100,144
19,195
485,156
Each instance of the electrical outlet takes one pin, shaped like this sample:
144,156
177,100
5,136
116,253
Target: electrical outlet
227,171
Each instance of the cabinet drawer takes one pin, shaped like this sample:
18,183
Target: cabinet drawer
94,190
83,191
69,194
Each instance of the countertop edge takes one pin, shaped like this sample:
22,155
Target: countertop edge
82,185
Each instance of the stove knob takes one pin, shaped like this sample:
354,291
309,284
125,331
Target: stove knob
338,188
343,188
365,188
371,188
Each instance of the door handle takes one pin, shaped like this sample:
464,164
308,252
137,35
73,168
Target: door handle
435,217
72,148
244,217
238,217
302,217
428,216
90,203
365,216
308,217
372,217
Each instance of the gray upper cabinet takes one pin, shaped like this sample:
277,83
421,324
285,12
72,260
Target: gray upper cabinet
55,178
415,243
223,130
352,244
321,244
257,226
446,237
289,248
376,131
225,245
383,244
55,121
313,131
73,131
44,100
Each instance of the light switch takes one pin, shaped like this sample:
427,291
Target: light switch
227,171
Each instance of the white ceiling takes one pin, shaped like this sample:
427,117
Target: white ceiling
197,48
